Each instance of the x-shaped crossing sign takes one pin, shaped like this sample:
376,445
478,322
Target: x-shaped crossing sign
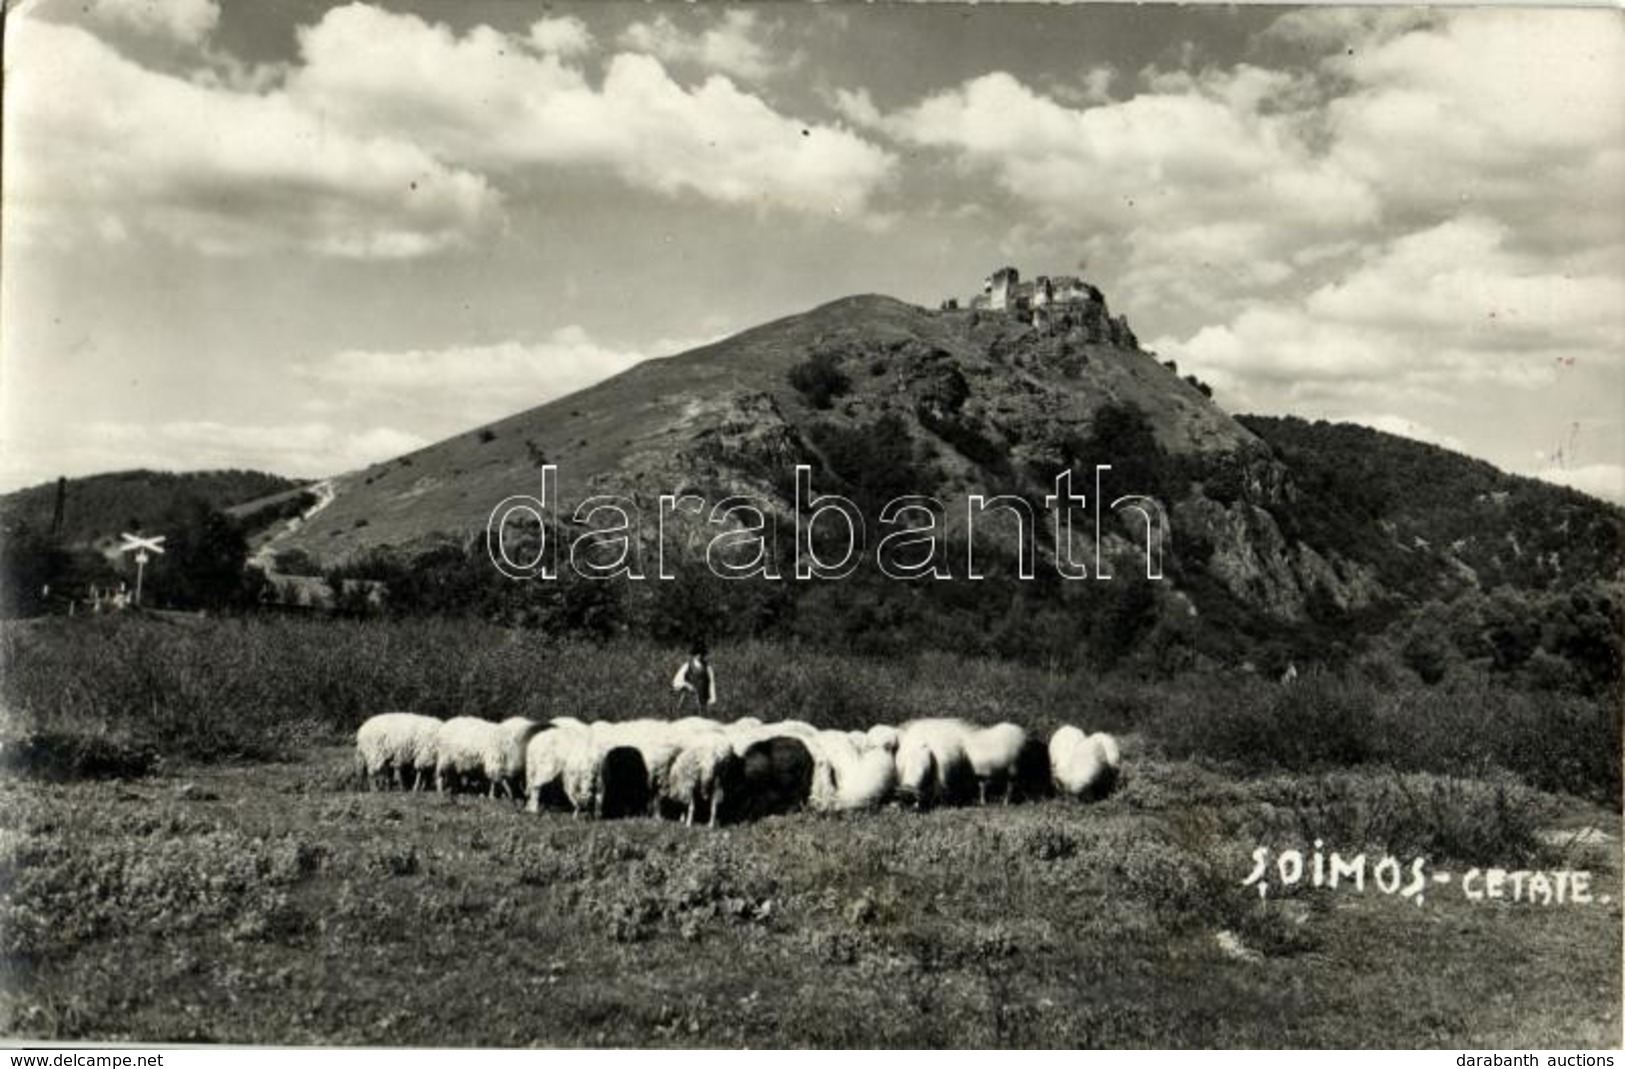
141,547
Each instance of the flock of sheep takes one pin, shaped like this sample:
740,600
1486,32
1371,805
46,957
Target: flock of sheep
706,769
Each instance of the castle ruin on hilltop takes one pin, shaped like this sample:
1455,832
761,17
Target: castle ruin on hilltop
1059,302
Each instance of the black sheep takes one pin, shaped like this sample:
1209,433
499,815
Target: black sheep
624,784
775,776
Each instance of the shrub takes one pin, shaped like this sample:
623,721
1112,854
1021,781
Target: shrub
819,379
1553,742
64,755
1322,720
1416,815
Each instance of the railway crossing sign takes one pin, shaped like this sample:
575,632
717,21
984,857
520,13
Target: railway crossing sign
141,546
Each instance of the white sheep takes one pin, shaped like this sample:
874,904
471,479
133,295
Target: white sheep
461,746
916,770
867,783
1084,766
545,757
583,760
504,764
848,777
945,739
995,757
393,743
1112,756
883,737
747,731
689,724
701,775
827,749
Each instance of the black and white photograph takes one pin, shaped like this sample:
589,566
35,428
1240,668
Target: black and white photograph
638,524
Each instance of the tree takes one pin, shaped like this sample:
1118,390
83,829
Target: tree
1128,612
29,563
204,563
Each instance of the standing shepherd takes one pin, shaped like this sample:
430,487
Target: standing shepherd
694,676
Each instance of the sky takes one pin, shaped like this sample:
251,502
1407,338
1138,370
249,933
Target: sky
304,237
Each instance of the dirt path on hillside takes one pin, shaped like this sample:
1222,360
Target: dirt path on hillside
264,557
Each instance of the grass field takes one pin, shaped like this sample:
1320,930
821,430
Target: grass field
184,857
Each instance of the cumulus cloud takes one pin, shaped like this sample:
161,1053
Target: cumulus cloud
1190,151
355,404
1436,309
1328,29
1389,423
1198,189
563,36
1606,481
1207,189
446,390
97,144
1511,111
731,46
301,450
475,100
386,140
1463,277
183,21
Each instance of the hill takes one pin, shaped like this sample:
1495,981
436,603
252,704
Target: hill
1486,528
1285,541
981,393
97,507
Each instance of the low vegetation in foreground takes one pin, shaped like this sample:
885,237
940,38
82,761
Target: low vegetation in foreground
185,856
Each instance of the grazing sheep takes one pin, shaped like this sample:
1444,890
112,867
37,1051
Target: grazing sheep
946,741
828,750
1084,766
847,777
623,783
776,777
690,724
545,758
746,732
657,743
461,747
505,760
1112,756
995,755
703,773
916,771
883,737
390,744
583,758
1033,780
868,782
